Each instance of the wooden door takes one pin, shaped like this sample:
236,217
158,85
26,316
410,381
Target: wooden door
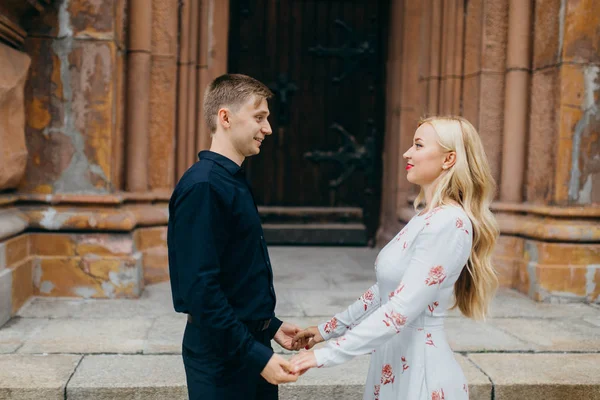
325,62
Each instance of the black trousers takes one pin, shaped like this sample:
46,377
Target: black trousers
211,378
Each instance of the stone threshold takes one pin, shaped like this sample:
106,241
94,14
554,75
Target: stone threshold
100,377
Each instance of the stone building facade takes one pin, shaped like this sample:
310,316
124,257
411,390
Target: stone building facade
100,114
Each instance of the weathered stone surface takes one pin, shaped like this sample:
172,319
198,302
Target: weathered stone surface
495,26
552,335
473,38
12,222
17,249
51,244
491,119
33,377
467,335
17,331
543,121
559,272
507,258
104,377
480,387
147,238
542,376
90,336
577,170
163,78
69,218
512,304
166,335
101,245
346,381
156,265
471,99
13,151
92,19
88,277
22,284
546,34
581,39
5,295
2,256
164,27
70,104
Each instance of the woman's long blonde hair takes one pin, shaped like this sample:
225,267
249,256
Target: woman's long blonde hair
469,183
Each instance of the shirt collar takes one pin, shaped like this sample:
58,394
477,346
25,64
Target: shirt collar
223,161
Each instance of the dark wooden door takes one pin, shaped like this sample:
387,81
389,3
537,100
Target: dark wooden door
325,62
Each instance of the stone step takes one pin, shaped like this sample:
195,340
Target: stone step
278,214
129,377
349,234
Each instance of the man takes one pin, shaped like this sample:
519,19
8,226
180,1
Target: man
220,270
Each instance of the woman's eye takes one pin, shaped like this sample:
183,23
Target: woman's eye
418,145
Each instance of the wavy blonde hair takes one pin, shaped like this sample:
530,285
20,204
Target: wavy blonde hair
468,182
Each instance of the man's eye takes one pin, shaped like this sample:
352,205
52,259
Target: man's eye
259,118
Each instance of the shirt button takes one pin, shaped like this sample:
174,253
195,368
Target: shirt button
261,238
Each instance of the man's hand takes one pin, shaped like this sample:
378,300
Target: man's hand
278,370
307,338
285,336
303,361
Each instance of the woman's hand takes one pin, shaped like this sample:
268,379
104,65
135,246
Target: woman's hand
310,334
303,361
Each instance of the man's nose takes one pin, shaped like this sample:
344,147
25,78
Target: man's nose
267,128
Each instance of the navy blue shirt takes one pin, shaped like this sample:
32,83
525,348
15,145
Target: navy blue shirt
218,260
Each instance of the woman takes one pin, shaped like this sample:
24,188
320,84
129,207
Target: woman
444,250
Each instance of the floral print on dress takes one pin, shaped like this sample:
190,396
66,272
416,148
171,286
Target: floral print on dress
426,270
394,319
429,340
395,292
437,275
367,298
433,306
376,391
387,374
460,224
405,365
438,395
331,325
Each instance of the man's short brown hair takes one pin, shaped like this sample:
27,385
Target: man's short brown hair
231,90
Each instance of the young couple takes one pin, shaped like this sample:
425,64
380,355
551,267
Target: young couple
221,274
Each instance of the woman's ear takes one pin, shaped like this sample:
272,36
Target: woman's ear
449,160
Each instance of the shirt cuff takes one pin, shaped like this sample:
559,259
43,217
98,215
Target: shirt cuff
274,326
326,336
258,356
322,356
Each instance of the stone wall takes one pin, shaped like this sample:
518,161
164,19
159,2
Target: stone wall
550,242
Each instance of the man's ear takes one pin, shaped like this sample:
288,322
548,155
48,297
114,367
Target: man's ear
224,117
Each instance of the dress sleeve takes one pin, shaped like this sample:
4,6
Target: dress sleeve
438,259
360,309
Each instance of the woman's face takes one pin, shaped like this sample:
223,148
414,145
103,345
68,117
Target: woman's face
425,159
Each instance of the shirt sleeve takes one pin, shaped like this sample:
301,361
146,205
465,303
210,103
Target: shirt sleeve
274,326
360,309
200,235
438,260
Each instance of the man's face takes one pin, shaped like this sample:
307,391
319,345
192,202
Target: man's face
249,126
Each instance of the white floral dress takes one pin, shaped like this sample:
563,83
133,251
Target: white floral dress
400,319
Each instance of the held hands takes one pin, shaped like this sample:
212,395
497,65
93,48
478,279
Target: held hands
286,337
291,337
307,338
